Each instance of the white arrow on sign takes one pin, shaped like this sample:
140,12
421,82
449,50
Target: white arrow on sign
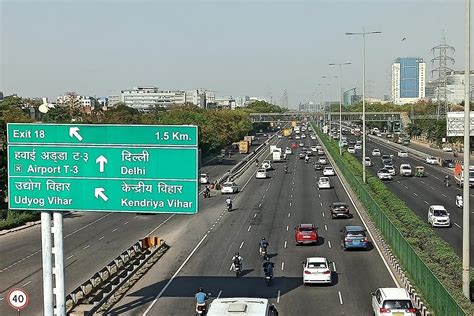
101,160
100,192
74,132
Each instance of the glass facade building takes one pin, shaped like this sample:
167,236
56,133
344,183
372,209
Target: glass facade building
408,80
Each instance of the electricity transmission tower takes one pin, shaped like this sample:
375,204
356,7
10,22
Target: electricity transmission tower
441,63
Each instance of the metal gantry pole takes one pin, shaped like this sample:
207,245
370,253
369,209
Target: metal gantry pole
363,111
46,242
467,105
59,264
340,110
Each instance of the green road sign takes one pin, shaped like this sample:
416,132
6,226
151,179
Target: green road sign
97,134
142,173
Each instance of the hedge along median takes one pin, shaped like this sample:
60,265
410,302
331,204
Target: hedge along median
430,262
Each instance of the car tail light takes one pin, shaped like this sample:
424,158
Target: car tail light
346,239
327,272
365,239
412,310
307,272
384,310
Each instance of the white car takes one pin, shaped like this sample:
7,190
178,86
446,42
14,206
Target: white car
391,302
204,179
359,142
229,188
402,154
314,148
261,174
324,183
316,270
368,162
297,137
266,165
447,149
431,160
384,174
376,152
280,136
328,171
390,169
351,150
288,151
358,146
313,137
344,143
438,216
322,160
303,135
405,170
320,151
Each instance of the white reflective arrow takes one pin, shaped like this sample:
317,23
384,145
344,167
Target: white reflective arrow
99,192
74,132
101,160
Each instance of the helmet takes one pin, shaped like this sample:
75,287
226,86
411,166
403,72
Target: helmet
237,254
263,238
201,289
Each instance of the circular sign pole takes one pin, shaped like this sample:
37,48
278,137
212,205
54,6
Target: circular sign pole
18,299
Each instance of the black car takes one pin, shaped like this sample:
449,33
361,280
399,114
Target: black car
449,163
301,155
318,166
309,152
339,209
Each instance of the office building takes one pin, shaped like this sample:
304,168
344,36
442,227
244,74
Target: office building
408,80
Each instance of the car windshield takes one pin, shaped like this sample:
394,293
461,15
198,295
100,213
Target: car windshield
323,180
227,184
317,265
440,212
261,170
339,205
397,304
406,167
306,229
356,233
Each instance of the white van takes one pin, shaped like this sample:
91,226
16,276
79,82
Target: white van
247,306
405,170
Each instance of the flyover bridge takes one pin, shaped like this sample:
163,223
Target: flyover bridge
333,116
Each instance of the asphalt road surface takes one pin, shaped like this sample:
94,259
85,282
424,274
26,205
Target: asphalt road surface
91,240
201,252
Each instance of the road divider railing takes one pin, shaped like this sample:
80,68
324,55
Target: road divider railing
108,285
431,265
419,154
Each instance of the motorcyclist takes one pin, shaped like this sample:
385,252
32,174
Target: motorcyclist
207,191
268,268
228,202
306,158
256,162
458,200
237,260
286,168
201,297
284,156
446,180
263,244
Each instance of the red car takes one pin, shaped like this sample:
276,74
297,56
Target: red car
306,234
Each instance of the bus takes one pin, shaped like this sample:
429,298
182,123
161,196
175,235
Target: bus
394,127
247,306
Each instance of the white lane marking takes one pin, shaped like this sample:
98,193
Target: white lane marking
287,227
101,238
254,215
415,194
340,297
321,203
431,188
86,247
422,182
329,243
83,227
219,295
334,266
135,216
284,245
249,228
290,203
319,195
406,187
263,197
322,213
230,268
398,181
291,196
114,230
125,223
241,245
436,177
161,224
282,265
278,297
456,224
292,189
174,276
260,205
69,257
325,227
27,283
289,214
427,203
2,298
444,195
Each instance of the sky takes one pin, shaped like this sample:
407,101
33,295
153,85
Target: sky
238,48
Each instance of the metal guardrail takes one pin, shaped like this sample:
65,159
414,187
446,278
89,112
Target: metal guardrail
91,295
415,152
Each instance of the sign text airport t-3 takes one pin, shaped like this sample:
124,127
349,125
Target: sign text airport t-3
121,168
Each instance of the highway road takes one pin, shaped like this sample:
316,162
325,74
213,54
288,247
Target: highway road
91,240
201,252
420,193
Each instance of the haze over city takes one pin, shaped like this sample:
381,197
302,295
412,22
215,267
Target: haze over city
231,47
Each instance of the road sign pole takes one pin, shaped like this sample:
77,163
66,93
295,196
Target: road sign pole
46,242
59,264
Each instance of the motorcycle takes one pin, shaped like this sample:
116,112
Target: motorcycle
237,269
201,308
459,202
229,206
207,194
268,278
264,253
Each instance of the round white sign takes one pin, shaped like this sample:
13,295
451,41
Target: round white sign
18,299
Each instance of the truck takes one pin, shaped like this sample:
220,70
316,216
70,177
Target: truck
249,139
244,147
272,148
276,155
459,175
241,306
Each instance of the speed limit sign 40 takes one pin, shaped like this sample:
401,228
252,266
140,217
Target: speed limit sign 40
18,299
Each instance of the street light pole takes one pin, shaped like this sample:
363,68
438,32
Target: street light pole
322,101
363,33
467,150
340,102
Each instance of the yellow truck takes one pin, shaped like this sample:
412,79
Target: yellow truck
287,132
244,147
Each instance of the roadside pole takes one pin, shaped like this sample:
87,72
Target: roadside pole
58,251
46,242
